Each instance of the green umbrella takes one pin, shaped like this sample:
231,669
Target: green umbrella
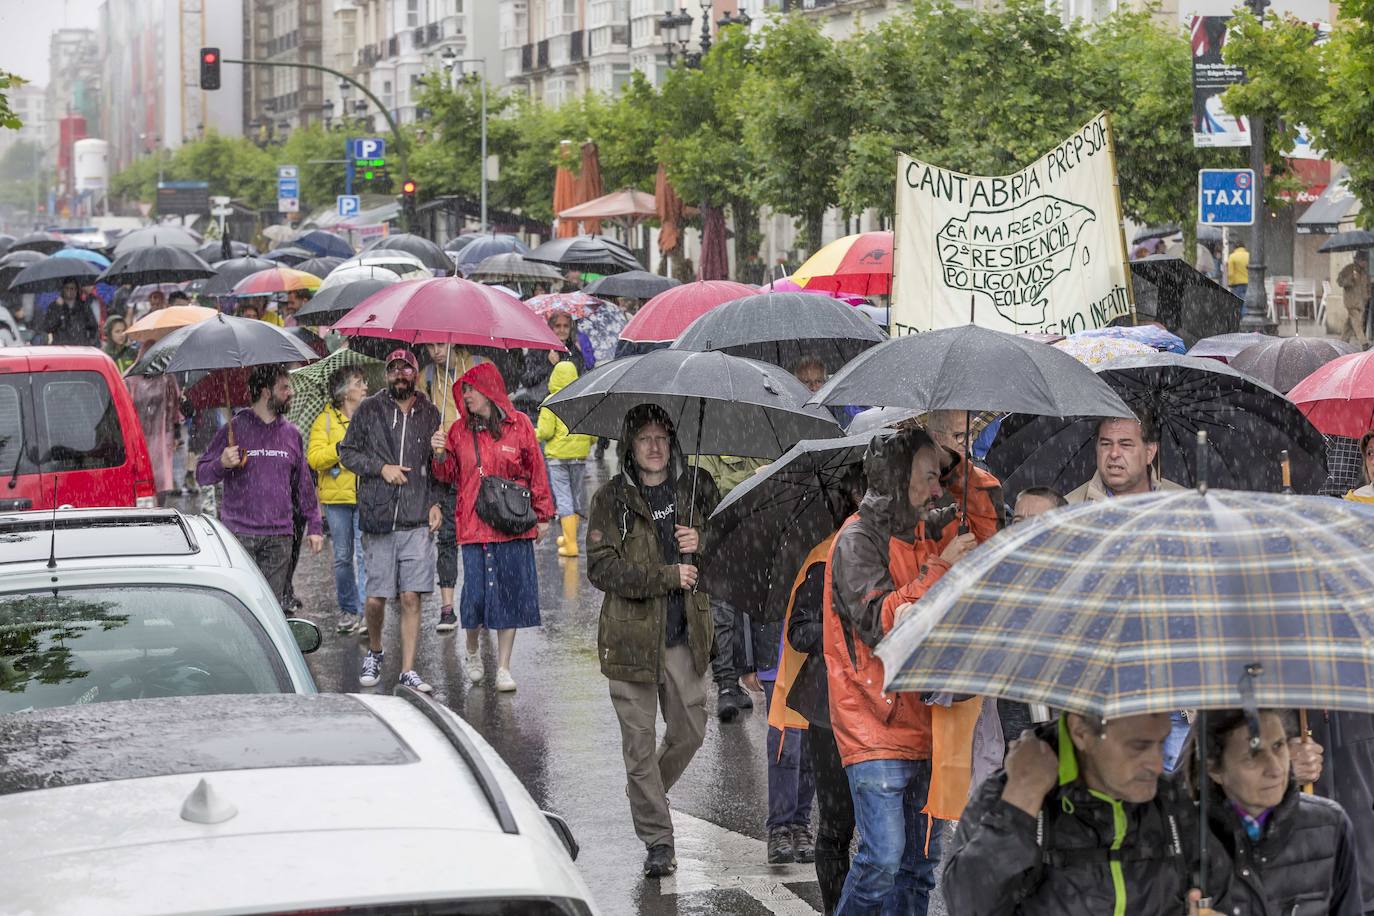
310,384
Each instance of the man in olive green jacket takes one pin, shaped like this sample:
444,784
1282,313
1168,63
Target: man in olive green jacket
654,638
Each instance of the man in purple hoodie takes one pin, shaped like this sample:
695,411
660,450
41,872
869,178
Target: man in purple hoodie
267,481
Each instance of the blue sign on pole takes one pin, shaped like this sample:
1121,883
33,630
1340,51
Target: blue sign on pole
367,148
288,187
349,204
1226,197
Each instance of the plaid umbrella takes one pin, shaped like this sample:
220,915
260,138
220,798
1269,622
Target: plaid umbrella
310,384
1154,603
1150,335
578,305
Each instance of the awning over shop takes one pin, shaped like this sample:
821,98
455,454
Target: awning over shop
1335,206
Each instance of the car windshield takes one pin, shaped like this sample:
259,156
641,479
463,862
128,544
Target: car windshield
92,645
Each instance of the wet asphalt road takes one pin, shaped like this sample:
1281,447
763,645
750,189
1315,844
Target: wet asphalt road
559,734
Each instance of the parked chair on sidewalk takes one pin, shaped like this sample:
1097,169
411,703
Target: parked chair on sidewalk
1321,307
1302,293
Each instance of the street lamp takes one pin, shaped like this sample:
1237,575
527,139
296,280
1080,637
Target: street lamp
705,28
328,108
1255,313
451,60
729,19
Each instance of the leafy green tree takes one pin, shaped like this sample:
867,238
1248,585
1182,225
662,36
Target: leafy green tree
8,119
796,103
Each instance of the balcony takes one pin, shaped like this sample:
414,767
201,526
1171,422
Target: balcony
434,32
576,47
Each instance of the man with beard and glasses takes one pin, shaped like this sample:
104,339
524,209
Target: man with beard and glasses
267,481
388,446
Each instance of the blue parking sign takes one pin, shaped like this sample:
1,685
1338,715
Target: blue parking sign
349,204
367,148
1226,197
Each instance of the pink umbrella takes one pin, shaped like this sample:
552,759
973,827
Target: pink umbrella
448,310
667,315
576,304
788,285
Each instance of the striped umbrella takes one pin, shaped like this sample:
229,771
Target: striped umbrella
275,280
576,304
860,264
1148,604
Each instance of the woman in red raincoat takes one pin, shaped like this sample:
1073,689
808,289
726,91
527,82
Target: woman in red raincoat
500,590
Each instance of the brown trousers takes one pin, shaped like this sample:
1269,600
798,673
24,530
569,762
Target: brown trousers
650,768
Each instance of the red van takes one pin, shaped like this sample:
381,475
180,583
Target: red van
68,426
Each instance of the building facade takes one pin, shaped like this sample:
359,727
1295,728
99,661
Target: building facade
279,99
149,64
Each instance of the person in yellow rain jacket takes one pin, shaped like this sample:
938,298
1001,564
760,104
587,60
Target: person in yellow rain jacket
338,491
566,455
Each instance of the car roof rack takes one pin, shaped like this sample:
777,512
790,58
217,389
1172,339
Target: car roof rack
470,753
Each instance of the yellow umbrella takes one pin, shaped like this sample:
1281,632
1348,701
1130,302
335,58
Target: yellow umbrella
156,325
859,264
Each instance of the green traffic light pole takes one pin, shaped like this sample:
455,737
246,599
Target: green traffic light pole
396,137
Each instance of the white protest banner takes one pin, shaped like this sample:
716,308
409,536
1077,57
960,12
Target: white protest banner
1039,251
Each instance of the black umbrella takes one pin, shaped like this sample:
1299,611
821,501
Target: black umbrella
161,236
325,244
11,264
156,264
1282,362
213,252
42,242
289,255
429,253
227,273
329,305
782,328
973,369
320,267
632,284
763,530
511,268
1248,424
49,275
1150,233
481,247
719,404
6,240
223,342
595,253
1189,303
1353,240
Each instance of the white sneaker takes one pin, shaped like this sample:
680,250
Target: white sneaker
473,664
504,682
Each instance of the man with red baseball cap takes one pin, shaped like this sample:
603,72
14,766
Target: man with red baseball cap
387,446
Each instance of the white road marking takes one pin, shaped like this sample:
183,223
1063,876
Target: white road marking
710,857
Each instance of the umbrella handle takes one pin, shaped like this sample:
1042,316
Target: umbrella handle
1306,739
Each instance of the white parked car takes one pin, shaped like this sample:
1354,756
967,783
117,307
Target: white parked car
323,803
122,604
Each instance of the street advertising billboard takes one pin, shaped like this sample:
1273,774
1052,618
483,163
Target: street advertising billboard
1037,251
1212,125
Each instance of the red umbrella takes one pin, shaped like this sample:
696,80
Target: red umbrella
448,310
1339,397
667,315
859,264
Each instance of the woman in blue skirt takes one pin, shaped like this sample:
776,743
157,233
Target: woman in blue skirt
500,590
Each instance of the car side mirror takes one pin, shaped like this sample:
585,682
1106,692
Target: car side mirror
564,833
307,635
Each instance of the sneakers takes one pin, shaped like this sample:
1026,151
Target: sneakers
472,663
730,700
448,621
803,846
372,669
504,682
361,629
780,851
348,623
415,682
660,862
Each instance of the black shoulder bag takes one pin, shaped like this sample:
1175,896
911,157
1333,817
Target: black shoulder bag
502,503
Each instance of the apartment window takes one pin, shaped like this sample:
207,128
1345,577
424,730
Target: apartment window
412,13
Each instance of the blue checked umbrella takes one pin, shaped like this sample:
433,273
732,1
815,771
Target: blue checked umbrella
1154,603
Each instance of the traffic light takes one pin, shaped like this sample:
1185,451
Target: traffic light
209,68
408,188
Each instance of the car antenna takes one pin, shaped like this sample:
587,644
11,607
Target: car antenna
52,541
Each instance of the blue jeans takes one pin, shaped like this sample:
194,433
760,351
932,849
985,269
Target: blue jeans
1173,745
791,780
893,872
1240,289
566,477
348,555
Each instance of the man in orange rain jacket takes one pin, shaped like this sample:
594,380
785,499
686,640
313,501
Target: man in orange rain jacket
884,738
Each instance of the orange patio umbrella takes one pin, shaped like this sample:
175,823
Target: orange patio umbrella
589,184
156,325
669,207
564,192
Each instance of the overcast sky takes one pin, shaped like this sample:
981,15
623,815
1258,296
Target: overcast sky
27,26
